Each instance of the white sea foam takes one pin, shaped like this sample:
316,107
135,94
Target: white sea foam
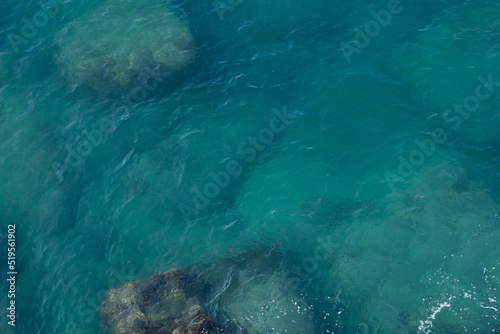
426,325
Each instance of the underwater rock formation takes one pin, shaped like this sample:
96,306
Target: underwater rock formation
248,292
419,258
163,303
123,43
256,292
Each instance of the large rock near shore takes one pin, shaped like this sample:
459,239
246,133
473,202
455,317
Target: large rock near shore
121,42
163,303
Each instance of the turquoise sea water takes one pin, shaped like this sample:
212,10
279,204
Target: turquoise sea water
365,193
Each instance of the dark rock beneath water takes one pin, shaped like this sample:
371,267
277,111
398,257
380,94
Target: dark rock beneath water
256,292
164,303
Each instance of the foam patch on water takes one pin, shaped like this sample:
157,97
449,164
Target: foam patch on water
426,325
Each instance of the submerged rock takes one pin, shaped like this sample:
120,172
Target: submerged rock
395,271
164,303
255,292
123,43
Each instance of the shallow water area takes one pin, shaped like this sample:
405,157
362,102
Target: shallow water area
311,192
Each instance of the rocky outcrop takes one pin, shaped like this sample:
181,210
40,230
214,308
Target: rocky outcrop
164,303
120,43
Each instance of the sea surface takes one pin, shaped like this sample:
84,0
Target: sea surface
335,163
